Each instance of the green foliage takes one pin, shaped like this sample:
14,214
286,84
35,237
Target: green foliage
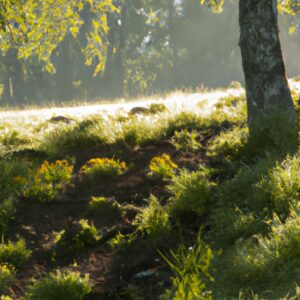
185,120
38,32
140,132
276,132
60,285
75,239
14,254
104,208
162,167
7,276
156,108
186,141
101,168
48,180
154,219
191,268
228,145
191,194
230,109
13,180
229,224
267,264
87,134
282,185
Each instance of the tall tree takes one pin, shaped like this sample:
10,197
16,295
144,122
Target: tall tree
266,82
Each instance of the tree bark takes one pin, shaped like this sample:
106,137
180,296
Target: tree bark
266,82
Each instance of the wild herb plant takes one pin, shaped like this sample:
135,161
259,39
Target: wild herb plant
60,285
162,167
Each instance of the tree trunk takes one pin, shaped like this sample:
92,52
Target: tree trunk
266,82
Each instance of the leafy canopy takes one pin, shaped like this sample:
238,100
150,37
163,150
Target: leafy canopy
34,28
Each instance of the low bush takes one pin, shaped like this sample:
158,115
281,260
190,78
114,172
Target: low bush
186,141
191,194
48,180
7,276
14,254
104,208
141,132
162,167
282,185
62,141
156,108
101,168
154,219
267,265
277,132
14,175
60,286
191,270
76,238
185,120
228,146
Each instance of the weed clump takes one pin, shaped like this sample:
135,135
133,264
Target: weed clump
14,254
156,108
13,180
266,263
162,167
186,141
191,194
104,208
101,168
86,134
154,219
60,285
76,238
282,185
191,269
49,180
7,275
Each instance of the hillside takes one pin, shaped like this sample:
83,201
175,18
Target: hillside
172,202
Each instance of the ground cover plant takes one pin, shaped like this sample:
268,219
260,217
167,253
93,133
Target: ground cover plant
122,198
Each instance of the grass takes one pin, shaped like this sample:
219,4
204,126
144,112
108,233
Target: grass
14,254
111,192
60,285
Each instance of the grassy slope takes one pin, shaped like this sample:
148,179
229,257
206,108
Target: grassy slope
245,200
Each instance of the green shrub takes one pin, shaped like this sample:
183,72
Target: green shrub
266,264
60,286
282,185
228,146
156,108
162,167
276,132
7,276
230,109
141,132
154,219
191,194
191,268
229,224
185,120
89,133
13,180
14,254
104,208
48,180
186,141
241,190
100,168
76,238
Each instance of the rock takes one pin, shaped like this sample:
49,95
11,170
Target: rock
139,110
59,119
